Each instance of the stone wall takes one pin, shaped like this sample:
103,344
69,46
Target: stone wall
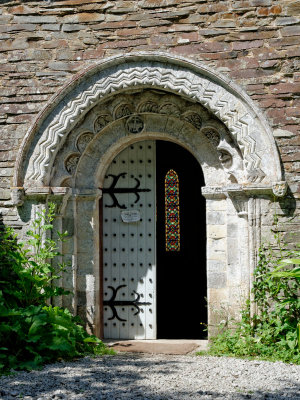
254,42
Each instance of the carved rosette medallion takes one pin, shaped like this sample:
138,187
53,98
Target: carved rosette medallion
279,188
101,122
83,141
170,109
135,124
122,110
71,163
148,106
212,135
194,119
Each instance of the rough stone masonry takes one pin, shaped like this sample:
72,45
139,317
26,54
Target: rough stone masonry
254,44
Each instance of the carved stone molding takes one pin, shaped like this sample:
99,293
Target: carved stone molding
46,190
107,116
255,175
213,192
148,102
166,73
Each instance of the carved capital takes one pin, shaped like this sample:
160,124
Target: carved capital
240,202
279,188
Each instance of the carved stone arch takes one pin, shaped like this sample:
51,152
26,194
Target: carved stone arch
185,123
142,96
213,172
171,74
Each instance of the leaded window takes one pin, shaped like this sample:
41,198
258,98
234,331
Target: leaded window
172,211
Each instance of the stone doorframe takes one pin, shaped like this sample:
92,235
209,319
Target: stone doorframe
142,96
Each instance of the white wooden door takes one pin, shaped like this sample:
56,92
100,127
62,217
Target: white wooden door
129,244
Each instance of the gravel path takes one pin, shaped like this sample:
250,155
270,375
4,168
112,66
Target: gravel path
155,377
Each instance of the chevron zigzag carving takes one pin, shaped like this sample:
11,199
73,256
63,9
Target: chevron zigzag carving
221,102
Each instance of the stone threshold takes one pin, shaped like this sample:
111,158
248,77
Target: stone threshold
158,346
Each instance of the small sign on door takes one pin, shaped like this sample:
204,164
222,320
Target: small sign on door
130,216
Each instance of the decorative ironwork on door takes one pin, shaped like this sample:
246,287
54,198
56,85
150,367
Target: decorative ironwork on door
112,303
112,190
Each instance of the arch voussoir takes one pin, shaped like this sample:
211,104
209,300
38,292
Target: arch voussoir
168,73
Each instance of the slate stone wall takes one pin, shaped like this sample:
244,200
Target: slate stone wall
254,42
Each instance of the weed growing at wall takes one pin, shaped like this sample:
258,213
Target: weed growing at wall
273,332
33,332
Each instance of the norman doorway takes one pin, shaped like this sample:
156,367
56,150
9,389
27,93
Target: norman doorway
154,244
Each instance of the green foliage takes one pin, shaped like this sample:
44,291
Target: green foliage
32,332
26,273
282,272
273,332
35,335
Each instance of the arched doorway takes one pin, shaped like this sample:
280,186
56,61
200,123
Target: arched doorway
154,244
153,96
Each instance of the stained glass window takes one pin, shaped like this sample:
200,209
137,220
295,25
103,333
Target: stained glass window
172,217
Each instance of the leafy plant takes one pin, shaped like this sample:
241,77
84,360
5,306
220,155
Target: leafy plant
32,332
272,333
282,272
30,264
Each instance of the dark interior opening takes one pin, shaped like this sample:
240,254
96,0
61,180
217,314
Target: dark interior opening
181,275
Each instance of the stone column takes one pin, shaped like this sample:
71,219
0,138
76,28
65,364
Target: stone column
238,240
60,197
87,253
217,290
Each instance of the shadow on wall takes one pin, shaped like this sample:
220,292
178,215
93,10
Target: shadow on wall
25,211
288,206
